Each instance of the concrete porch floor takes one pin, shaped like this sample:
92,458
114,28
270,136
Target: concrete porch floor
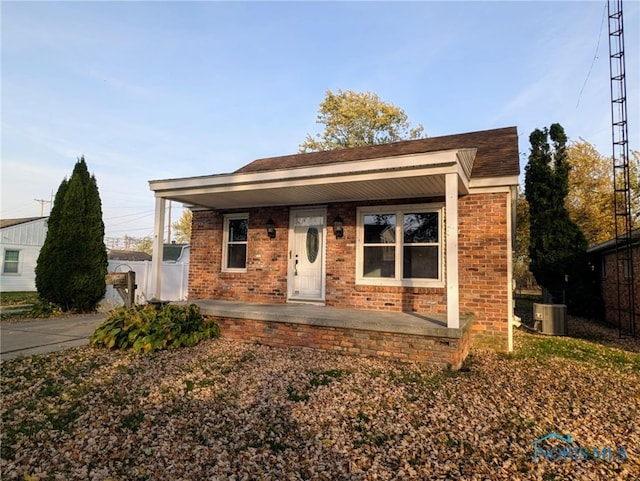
410,323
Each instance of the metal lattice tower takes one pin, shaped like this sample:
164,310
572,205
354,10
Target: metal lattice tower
621,176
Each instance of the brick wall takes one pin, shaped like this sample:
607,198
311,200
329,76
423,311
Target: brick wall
609,288
266,276
483,266
482,262
444,352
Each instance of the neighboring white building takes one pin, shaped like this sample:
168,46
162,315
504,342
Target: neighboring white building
20,242
22,239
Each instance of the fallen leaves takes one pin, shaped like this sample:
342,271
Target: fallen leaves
229,410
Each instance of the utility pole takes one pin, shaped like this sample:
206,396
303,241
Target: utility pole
42,203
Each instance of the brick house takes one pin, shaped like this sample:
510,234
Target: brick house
603,258
412,238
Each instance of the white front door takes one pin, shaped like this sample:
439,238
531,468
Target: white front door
306,255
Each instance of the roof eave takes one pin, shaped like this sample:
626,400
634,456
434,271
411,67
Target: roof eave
414,175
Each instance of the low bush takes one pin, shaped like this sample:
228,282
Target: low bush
146,328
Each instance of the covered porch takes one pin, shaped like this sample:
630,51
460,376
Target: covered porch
407,336
441,174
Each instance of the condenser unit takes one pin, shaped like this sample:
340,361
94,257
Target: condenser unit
551,319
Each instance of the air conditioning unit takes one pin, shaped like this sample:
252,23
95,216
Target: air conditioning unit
551,319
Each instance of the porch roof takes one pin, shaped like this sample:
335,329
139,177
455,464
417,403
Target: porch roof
401,170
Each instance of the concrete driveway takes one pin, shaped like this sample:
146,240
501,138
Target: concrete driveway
38,336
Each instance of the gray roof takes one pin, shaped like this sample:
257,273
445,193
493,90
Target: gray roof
124,255
610,245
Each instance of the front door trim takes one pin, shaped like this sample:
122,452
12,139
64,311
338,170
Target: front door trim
295,213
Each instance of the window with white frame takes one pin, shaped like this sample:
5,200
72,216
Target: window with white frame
11,264
400,245
234,245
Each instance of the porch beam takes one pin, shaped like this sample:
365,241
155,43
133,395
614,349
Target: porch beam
158,247
451,242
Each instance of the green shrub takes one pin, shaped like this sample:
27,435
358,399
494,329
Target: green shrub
44,309
146,329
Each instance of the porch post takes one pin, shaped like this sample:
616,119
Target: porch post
451,241
158,248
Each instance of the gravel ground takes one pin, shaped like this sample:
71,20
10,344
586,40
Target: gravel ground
226,410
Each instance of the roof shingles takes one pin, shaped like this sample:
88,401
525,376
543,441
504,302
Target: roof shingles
497,153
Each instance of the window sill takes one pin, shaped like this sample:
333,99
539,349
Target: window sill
438,284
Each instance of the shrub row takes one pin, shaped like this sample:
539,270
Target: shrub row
146,328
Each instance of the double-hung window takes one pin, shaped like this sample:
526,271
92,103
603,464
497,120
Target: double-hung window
234,245
400,245
11,262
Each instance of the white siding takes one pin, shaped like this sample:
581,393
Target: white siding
28,234
27,239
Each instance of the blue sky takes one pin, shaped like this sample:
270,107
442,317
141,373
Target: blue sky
154,90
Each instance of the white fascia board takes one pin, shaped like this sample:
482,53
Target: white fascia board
309,181
492,184
414,165
297,175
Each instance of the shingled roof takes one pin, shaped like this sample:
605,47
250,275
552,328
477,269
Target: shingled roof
497,153
12,222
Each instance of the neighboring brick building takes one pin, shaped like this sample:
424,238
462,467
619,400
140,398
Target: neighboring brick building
617,308
423,226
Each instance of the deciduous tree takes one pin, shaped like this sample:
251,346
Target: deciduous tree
145,244
353,119
590,197
182,227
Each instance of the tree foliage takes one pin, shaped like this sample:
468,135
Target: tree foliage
72,264
145,244
556,244
353,119
590,198
182,227
521,262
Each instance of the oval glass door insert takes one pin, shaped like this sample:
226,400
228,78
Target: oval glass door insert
313,244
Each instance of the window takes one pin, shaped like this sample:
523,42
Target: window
626,268
234,254
400,245
11,262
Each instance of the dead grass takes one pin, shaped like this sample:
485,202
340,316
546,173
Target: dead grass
227,410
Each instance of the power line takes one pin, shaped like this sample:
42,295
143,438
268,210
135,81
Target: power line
595,55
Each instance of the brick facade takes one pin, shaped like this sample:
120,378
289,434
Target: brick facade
444,352
483,271
609,288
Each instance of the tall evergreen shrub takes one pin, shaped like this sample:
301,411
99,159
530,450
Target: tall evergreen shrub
72,265
557,246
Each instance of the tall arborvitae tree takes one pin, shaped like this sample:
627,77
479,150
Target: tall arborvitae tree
556,245
72,264
51,258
